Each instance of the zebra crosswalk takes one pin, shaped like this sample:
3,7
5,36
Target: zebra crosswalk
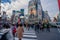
28,35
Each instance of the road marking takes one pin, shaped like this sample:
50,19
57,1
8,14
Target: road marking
59,30
28,35
25,39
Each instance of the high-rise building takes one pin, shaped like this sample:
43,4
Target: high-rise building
35,11
22,12
46,16
39,9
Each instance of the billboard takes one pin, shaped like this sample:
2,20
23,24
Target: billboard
22,12
33,11
59,8
59,4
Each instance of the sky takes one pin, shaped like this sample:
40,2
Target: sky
50,5
5,1
10,5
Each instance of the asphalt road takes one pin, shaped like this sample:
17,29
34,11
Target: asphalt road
54,34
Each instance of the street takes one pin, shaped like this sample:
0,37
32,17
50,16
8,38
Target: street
30,20
53,35
28,35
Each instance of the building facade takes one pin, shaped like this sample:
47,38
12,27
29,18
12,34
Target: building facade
17,14
46,16
35,11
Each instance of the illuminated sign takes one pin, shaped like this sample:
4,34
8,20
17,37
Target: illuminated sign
33,11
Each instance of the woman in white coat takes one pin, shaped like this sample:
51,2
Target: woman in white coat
9,35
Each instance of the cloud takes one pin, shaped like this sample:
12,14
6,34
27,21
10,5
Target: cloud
15,5
50,5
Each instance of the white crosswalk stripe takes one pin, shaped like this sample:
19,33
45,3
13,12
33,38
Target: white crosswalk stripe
28,35
59,30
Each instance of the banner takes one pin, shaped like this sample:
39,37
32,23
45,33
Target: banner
5,1
59,11
59,4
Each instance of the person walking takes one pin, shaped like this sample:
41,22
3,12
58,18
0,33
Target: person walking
20,31
9,35
40,25
43,26
48,26
37,27
28,27
13,28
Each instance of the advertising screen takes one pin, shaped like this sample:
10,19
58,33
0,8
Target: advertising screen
59,4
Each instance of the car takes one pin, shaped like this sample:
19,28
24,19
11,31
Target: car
53,24
58,24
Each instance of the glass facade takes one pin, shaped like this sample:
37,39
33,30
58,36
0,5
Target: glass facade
35,10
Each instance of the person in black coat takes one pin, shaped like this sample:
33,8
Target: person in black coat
48,27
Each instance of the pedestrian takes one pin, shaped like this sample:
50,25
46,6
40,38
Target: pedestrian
37,27
48,26
43,26
17,25
20,31
9,35
24,25
40,25
14,29
28,27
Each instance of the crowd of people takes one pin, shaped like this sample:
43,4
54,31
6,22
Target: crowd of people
39,26
16,29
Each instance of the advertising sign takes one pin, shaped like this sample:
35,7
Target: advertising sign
22,12
59,9
59,4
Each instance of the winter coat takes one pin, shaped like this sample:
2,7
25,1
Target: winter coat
20,31
9,34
